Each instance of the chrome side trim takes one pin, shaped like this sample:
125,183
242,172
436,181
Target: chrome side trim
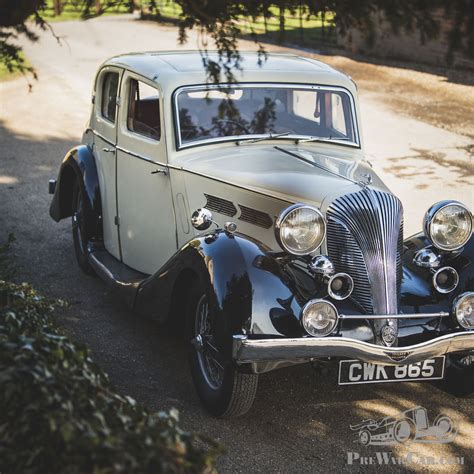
187,170
224,181
97,134
129,152
141,157
441,314
247,350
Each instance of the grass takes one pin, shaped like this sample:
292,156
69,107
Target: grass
70,11
6,75
309,32
303,32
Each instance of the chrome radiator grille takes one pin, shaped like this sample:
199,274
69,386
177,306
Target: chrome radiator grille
364,239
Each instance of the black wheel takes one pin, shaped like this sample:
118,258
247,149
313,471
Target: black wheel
459,377
79,236
224,391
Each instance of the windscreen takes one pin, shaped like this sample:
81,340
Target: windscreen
296,111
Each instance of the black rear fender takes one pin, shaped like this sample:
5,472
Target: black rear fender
79,168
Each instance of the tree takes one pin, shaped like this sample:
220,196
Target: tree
220,22
13,23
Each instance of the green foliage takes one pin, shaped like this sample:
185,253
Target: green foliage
58,410
83,9
7,268
223,21
13,23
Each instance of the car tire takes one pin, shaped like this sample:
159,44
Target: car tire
459,379
224,391
79,236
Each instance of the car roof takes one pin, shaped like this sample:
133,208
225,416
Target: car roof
172,69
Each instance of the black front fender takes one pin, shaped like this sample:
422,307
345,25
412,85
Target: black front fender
252,290
418,294
242,293
78,167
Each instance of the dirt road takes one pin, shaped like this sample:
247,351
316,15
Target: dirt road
300,421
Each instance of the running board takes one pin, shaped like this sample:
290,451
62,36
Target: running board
116,274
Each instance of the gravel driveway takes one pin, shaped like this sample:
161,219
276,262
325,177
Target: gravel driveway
300,421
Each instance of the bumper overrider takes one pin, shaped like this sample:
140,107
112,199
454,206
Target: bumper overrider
247,350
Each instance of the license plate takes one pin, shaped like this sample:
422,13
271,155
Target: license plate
356,371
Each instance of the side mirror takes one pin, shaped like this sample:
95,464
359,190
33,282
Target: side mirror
202,219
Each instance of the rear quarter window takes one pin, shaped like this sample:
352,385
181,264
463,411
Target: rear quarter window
108,106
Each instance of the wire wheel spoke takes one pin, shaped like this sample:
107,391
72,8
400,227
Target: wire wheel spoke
208,354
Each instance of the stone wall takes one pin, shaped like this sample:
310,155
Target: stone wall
407,46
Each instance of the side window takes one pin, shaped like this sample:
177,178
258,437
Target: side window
144,110
109,95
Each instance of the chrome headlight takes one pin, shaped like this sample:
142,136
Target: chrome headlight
463,308
300,229
448,225
319,317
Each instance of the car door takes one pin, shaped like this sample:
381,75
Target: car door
104,125
147,226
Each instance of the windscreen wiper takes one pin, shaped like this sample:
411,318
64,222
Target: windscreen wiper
321,139
327,170
269,136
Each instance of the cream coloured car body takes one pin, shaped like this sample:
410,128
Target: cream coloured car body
152,220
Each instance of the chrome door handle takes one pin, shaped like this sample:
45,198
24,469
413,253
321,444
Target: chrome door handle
163,172
108,150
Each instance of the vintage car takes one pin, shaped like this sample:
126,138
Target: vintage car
246,214
411,425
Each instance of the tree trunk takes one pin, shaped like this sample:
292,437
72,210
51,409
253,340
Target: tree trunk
98,7
57,7
281,36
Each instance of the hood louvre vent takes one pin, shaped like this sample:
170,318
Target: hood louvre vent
259,218
219,205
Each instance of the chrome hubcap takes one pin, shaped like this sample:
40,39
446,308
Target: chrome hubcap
211,369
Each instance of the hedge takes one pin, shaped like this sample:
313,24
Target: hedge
59,413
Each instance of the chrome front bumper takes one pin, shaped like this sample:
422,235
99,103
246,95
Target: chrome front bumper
247,350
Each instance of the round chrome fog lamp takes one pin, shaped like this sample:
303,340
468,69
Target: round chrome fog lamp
463,308
448,225
319,317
